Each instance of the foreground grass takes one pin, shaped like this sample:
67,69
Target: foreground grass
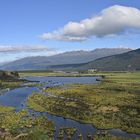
22,126
112,104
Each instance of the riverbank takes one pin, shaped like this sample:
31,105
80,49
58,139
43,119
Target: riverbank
112,104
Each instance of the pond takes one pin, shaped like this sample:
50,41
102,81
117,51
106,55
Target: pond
17,98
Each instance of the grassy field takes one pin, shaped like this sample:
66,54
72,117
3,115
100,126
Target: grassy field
57,74
71,74
112,104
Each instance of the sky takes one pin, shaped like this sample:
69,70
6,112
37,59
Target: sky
47,27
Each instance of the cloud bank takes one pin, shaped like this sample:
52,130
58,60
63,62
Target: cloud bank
13,52
22,48
110,22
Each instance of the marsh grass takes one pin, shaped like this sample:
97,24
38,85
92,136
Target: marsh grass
112,104
11,83
22,126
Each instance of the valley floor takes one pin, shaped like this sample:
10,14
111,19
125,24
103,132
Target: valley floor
113,103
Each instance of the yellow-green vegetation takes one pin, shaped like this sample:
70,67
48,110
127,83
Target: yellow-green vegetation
110,137
22,126
10,84
114,103
68,131
4,109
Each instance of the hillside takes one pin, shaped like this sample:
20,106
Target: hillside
121,62
74,57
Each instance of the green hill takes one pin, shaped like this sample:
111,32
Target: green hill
120,62
129,61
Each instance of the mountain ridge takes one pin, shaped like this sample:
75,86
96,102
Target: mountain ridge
129,61
73,57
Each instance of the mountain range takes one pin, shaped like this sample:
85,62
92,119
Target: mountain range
129,61
64,59
121,62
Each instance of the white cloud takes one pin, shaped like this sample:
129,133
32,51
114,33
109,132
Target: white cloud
13,52
22,48
111,21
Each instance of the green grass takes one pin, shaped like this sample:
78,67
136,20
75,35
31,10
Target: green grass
4,109
55,74
112,104
11,83
22,126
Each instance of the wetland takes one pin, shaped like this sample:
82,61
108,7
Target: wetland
73,108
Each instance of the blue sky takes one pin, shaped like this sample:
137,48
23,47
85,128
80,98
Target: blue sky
37,27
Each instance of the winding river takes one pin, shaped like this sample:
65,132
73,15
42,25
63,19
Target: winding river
17,98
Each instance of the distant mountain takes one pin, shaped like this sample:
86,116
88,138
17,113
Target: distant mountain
122,62
74,57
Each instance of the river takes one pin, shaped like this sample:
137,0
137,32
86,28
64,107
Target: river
17,98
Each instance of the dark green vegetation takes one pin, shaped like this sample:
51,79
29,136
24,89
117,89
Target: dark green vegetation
9,80
112,104
9,75
74,57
